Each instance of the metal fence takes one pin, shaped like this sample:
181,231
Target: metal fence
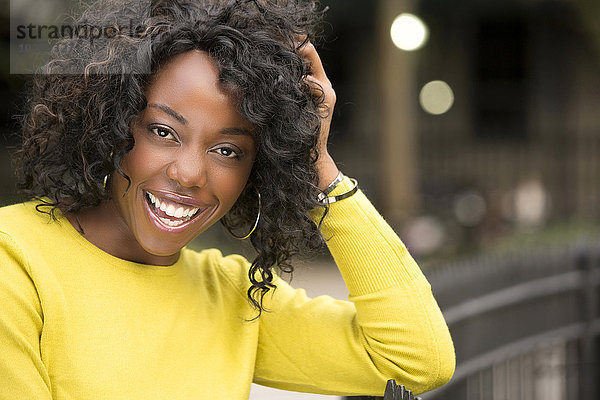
525,326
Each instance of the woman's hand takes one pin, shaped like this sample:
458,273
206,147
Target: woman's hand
321,87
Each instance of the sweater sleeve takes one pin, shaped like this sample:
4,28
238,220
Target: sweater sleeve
22,372
392,328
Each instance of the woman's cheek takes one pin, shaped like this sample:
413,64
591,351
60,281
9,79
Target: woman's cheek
230,185
143,160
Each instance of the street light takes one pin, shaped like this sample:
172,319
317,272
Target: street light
409,32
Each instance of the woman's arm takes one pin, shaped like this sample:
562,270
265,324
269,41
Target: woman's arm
23,375
392,329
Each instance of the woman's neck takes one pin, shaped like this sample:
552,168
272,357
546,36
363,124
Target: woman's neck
104,227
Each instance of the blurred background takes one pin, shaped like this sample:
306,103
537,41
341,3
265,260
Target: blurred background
473,127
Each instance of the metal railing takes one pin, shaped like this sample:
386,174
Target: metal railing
525,326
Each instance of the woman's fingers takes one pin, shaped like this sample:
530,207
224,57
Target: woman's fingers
318,76
309,52
322,90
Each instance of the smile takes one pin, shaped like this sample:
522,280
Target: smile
170,213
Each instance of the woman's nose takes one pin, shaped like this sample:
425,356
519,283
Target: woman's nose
188,169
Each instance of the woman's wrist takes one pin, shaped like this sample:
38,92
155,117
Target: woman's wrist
329,179
327,171
329,195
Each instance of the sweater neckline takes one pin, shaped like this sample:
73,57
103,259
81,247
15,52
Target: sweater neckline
163,270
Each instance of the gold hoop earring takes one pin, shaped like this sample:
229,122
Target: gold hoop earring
105,182
253,227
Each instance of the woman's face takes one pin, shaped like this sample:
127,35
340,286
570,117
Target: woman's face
192,157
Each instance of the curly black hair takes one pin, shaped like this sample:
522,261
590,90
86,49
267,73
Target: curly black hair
76,129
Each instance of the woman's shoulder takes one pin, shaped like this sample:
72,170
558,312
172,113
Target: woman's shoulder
30,227
22,218
18,230
18,209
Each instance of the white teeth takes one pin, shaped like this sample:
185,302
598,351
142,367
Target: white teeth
170,209
171,223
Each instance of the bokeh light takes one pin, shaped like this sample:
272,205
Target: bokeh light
531,203
409,32
424,235
470,208
436,97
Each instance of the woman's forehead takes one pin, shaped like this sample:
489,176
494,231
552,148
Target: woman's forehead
189,86
193,68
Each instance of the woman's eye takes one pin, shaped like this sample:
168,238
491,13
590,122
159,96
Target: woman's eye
162,132
228,152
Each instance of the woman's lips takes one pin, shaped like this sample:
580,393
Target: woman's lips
171,214
178,198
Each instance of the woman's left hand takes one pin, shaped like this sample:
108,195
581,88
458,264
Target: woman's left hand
321,86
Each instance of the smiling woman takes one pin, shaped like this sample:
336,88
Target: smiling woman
132,146
192,157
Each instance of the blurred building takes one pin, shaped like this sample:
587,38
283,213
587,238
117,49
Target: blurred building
516,149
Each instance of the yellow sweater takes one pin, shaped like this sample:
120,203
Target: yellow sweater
78,323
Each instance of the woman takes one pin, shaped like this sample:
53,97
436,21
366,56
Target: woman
136,143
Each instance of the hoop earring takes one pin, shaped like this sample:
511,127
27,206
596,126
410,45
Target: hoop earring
105,182
253,227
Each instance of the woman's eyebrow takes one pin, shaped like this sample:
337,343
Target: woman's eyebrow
180,118
237,131
170,111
